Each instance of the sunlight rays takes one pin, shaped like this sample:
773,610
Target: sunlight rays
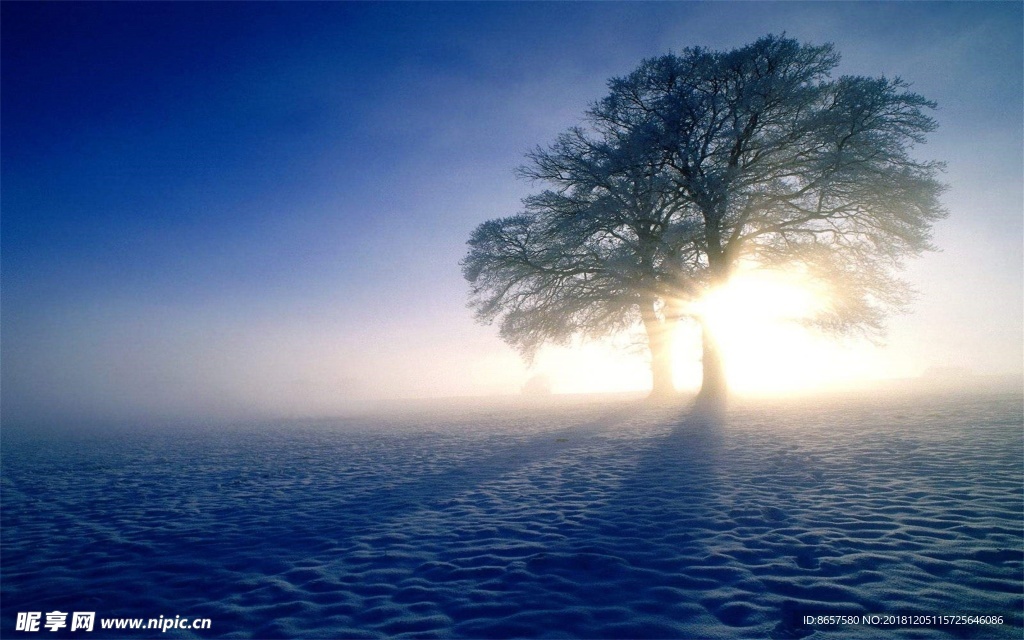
759,322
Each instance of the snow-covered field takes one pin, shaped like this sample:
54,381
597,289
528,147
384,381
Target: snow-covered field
613,519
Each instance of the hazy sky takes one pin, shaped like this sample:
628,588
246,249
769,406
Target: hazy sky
240,209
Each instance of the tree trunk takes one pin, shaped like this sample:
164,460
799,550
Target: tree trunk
659,341
713,387
661,369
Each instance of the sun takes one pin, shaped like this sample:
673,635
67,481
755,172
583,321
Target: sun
766,349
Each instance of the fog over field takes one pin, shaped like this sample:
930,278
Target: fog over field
250,251
599,518
258,210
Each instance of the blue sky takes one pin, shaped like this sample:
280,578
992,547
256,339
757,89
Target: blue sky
236,209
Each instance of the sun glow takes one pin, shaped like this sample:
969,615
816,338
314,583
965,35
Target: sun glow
766,349
756,320
605,366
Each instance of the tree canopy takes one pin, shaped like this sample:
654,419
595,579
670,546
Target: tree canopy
698,162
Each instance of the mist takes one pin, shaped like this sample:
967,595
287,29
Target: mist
272,226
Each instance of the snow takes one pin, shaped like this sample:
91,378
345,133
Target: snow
608,519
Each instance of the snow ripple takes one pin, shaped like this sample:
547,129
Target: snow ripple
607,521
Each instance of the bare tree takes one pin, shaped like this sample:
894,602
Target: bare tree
603,250
696,163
